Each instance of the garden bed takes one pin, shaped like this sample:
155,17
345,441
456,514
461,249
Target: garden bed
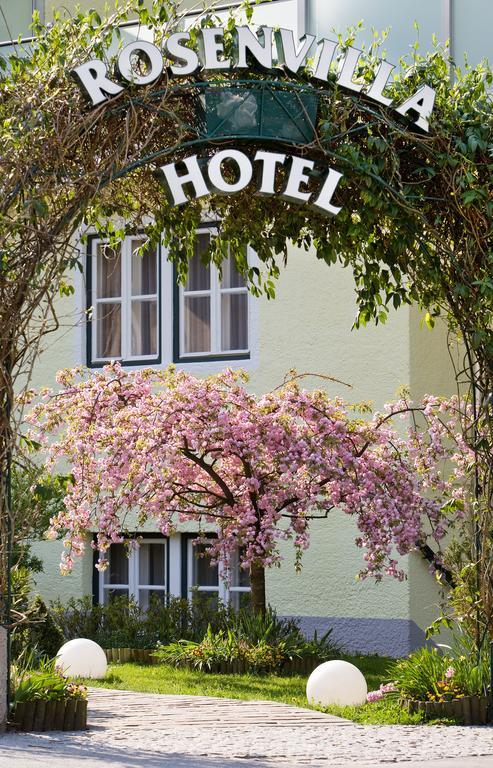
296,666
470,710
39,715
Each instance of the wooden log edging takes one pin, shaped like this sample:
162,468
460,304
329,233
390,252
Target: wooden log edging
40,715
296,666
303,666
471,710
124,655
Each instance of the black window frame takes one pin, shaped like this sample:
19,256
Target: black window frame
143,361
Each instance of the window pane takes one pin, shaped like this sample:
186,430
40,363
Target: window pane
240,577
199,275
108,330
204,574
240,600
109,278
144,271
231,277
197,324
110,594
117,571
234,321
206,602
151,564
148,597
144,327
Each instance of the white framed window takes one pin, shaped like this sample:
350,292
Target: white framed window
142,575
205,582
124,296
213,309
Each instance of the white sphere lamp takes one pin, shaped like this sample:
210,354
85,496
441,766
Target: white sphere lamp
82,658
336,682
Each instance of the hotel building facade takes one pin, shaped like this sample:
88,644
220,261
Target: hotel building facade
141,316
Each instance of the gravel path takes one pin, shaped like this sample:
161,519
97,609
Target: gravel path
133,730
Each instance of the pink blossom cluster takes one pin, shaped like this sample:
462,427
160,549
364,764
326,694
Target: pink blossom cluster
169,447
449,673
373,696
384,689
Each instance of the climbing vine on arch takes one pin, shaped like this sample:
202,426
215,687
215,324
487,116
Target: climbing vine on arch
414,225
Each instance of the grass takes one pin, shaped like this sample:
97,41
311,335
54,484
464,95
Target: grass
162,678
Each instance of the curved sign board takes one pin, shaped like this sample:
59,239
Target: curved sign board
278,51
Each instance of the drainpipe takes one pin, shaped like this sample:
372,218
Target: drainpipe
301,17
448,24
39,5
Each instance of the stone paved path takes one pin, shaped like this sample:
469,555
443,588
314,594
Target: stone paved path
136,730
149,712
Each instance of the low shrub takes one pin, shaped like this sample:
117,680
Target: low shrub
266,627
197,632
44,683
122,623
443,674
260,643
321,648
223,647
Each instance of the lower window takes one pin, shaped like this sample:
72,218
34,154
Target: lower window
142,575
204,579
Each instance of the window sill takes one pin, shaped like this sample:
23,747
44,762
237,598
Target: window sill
141,361
217,358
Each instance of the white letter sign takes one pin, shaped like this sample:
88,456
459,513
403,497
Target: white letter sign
92,76
129,72
177,182
422,102
251,48
270,162
216,177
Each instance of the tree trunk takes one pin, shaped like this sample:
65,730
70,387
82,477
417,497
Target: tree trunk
257,584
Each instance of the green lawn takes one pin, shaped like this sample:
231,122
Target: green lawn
290,690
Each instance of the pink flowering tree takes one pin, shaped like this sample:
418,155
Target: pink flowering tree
168,447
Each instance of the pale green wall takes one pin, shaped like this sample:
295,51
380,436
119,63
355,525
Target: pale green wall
430,367
327,584
101,5
472,21
51,584
308,327
15,19
431,371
